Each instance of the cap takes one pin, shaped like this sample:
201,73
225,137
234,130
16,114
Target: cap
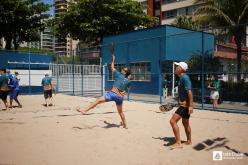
183,65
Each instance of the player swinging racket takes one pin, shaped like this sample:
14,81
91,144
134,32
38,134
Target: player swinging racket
120,86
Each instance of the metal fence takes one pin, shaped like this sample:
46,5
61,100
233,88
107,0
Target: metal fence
151,55
84,80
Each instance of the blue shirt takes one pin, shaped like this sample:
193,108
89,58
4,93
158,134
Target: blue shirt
184,85
14,83
46,81
9,75
121,82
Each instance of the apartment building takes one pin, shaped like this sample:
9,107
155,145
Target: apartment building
47,39
68,47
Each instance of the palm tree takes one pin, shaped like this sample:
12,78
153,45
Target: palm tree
230,14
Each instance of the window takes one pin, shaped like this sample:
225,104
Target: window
117,67
141,71
157,5
170,14
171,1
182,11
190,10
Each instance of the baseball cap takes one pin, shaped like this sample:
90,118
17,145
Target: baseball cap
183,65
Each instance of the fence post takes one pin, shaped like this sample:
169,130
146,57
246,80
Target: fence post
202,72
29,72
73,64
57,75
82,74
160,79
103,79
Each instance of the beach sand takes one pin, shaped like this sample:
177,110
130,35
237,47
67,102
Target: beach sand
58,135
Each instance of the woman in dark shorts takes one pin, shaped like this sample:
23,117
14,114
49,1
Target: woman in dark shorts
4,89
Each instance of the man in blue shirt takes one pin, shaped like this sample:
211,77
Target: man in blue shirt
120,86
185,102
48,89
14,84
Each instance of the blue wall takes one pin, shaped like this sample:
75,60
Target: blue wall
6,56
154,45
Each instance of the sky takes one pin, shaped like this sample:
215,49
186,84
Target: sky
49,2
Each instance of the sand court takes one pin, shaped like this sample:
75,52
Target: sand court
41,135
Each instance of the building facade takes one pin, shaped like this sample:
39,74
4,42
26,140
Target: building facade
151,52
168,10
68,47
47,39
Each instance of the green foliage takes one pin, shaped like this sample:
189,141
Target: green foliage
21,20
211,63
90,20
230,14
186,22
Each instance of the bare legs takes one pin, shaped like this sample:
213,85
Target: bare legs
17,101
215,103
123,119
187,129
6,104
48,101
102,100
93,105
173,121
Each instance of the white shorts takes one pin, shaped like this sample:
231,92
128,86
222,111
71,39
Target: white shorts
214,95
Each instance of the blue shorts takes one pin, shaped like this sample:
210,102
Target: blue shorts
111,96
13,94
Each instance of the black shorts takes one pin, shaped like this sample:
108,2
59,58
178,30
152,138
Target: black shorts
4,95
183,112
48,93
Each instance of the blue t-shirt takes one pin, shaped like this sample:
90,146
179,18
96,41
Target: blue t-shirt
121,82
9,75
46,81
184,85
14,83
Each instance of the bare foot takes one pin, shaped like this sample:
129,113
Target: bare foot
81,111
124,126
176,146
187,143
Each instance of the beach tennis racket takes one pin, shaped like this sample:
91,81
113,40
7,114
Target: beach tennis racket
111,48
167,107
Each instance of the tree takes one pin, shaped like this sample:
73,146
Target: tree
90,20
211,64
230,14
21,20
186,22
